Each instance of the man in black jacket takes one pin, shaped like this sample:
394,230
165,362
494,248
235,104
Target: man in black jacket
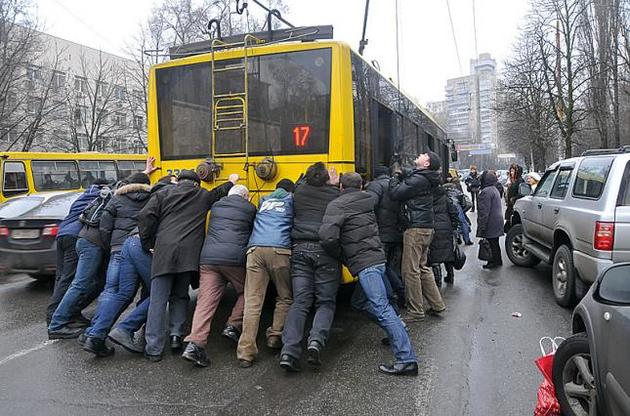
349,231
415,192
315,274
390,229
222,261
173,225
473,185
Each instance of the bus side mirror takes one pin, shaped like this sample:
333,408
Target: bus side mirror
524,189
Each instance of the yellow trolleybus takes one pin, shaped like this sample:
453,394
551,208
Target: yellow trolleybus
266,109
28,172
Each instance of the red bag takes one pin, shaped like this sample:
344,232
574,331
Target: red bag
547,403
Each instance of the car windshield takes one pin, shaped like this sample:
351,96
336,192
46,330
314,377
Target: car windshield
18,206
55,207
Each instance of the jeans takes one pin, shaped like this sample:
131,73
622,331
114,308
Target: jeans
126,269
360,301
315,279
137,263
464,226
371,280
85,286
163,287
67,259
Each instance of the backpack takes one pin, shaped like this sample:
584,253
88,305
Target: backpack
91,215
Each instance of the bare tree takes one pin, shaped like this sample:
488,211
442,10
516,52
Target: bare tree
555,26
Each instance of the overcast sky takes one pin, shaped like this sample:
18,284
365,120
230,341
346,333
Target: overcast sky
427,50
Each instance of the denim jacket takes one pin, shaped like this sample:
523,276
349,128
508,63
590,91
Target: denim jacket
274,220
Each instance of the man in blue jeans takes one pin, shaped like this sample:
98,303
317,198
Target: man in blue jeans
349,231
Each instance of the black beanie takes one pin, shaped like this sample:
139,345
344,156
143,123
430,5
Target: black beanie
139,177
286,184
188,174
100,182
381,170
434,161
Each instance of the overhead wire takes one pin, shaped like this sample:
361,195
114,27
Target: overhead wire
450,17
474,15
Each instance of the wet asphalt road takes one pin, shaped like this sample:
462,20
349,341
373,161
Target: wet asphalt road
477,360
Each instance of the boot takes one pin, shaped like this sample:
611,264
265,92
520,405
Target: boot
437,274
450,274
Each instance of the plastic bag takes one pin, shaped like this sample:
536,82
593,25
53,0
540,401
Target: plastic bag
547,403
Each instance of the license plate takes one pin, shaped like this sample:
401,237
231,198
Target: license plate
24,234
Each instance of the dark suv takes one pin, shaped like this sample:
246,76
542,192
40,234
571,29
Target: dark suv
577,220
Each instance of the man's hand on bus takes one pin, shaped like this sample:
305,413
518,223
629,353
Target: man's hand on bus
233,178
333,176
149,166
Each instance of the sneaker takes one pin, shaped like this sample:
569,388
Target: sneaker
232,333
154,358
82,338
196,355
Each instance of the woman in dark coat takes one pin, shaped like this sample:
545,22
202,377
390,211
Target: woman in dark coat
446,221
515,179
489,219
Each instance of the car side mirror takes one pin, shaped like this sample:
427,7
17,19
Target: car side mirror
613,284
453,153
524,189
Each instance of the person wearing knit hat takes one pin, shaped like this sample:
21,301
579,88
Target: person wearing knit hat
139,177
189,175
435,162
173,225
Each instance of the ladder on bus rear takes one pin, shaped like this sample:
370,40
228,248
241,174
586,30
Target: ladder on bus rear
230,109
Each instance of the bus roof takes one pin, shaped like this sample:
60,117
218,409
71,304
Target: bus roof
69,156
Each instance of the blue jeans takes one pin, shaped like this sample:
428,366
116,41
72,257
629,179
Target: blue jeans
463,221
85,283
136,262
371,280
360,302
122,284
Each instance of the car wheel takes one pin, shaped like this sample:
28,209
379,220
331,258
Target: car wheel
573,377
516,251
563,277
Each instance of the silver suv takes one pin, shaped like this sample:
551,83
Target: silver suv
577,220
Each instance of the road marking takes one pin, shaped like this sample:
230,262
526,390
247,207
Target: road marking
27,351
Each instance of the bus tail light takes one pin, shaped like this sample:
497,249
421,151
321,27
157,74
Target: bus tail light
604,236
51,230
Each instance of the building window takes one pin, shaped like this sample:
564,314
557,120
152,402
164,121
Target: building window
138,122
101,90
80,115
119,92
80,85
119,119
33,75
58,81
33,104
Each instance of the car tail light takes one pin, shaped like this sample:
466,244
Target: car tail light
50,230
604,236
4,232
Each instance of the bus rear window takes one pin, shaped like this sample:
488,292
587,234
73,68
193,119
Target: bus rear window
184,95
55,175
288,105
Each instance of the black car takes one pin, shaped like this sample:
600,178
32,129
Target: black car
27,240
